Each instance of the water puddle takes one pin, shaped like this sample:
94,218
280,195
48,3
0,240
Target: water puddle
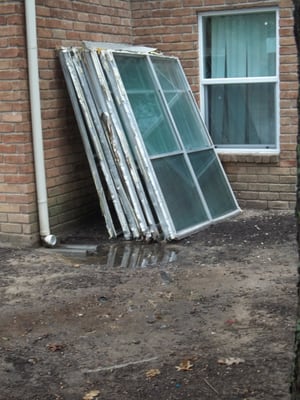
123,254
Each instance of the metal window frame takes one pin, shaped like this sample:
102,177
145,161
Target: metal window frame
141,155
205,82
144,160
119,145
105,116
66,64
94,128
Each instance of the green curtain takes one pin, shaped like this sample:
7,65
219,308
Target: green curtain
242,45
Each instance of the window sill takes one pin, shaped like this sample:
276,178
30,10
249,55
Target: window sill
250,158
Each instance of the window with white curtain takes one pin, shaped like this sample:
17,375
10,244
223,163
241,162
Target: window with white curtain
239,79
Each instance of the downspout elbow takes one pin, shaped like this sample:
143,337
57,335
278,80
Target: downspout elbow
49,240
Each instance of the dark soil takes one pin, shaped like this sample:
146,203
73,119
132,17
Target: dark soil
99,315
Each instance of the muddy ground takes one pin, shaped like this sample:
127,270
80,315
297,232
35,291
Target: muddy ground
209,317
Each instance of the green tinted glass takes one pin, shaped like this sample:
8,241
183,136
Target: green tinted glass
213,184
149,113
181,104
180,192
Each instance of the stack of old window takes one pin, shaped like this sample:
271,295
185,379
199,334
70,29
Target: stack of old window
153,163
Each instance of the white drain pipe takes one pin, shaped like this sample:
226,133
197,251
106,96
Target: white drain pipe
35,105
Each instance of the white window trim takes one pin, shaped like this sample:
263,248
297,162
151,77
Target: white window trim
205,82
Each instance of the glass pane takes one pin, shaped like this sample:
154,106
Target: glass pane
240,45
212,182
182,106
180,192
242,114
148,111
152,123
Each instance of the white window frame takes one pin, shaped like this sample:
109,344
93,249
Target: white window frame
204,82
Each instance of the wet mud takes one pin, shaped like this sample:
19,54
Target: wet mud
209,317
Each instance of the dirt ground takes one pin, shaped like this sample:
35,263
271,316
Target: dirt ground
208,317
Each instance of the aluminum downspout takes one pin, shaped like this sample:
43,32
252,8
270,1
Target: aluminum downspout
37,136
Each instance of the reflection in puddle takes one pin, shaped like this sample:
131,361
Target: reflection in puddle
125,255
141,256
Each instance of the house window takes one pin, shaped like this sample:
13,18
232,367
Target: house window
239,79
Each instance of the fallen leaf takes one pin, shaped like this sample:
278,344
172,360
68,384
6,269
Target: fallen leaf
91,395
152,373
158,316
185,365
55,347
231,321
170,296
230,361
153,304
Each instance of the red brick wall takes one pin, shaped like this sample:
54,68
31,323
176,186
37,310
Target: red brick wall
172,27
169,25
17,191
70,190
